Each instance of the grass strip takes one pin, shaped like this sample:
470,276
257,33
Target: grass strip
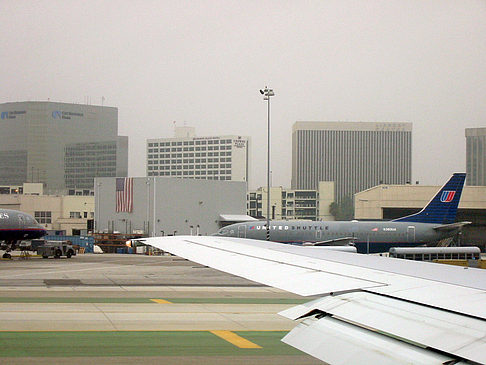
137,343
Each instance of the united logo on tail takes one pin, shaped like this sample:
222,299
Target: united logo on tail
447,196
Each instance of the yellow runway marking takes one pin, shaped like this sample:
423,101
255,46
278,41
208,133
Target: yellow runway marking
236,340
161,301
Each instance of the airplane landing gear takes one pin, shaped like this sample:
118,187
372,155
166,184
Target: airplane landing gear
6,255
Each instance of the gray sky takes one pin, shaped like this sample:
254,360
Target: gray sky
203,62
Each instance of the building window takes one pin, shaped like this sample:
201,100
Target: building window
43,217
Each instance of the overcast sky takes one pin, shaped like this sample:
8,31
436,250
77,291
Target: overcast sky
201,64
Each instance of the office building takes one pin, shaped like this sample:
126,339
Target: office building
61,145
206,158
290,204
356,156
85,161
476,156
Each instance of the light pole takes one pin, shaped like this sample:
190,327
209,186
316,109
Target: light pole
267,93
97,208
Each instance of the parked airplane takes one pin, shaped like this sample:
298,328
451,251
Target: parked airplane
370,310
433,223
16,226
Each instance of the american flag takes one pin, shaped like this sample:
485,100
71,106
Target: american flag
124,194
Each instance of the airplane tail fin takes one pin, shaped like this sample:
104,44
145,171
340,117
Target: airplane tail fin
442,209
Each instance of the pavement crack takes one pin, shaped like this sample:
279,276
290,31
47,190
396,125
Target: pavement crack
106,316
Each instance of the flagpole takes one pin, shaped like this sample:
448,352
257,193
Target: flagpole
154,202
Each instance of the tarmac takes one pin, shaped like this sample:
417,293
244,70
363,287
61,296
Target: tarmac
134,308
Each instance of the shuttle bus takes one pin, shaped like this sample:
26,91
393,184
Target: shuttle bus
435,253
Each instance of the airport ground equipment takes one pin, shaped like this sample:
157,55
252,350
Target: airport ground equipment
115,242
83,242
56,249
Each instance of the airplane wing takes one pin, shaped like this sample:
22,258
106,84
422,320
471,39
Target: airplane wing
342,241
451,227
372,309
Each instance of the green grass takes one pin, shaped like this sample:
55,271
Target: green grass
137,343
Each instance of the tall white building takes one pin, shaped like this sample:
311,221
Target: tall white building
476,156
206,158
356,156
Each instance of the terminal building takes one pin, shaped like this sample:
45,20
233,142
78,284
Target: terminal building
64,146
206,158
158,206
59,214
290,204
355,156
393,201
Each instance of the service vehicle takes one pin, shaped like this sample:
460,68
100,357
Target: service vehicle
56,249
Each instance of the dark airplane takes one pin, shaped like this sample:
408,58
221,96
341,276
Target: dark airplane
16,226
432,224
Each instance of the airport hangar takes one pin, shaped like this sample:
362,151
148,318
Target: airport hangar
170,206
393,201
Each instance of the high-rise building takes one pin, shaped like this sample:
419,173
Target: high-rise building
64,146
476,156
207,158
355,155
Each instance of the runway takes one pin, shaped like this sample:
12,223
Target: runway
130,308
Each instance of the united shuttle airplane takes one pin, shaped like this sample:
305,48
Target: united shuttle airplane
433,223
16,226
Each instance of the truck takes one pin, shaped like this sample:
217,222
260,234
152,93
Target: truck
56,249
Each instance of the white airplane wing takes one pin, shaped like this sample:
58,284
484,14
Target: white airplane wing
371,309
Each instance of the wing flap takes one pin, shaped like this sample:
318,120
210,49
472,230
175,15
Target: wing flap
451,333
337,342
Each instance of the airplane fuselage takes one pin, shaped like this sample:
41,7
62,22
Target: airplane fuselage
15,226
368,237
